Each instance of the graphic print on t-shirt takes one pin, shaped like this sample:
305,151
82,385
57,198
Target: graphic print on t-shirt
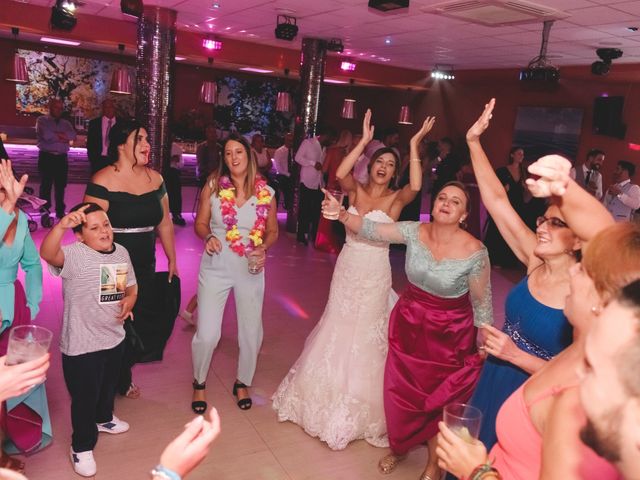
113,282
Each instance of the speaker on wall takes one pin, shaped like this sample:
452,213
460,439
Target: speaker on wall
607,117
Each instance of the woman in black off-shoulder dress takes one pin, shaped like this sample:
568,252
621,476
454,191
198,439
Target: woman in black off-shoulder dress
135,199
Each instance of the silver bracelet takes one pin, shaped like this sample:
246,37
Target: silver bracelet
209,237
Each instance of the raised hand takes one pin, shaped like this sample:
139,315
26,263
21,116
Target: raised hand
427,125
478,128
12,187
367,128
73,219
189,448
553,172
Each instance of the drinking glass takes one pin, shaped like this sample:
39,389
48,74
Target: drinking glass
27,342
332,211
254,268
464,420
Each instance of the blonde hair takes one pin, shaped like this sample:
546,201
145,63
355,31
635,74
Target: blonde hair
612,258
223,169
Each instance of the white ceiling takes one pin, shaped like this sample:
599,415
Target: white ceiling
418,40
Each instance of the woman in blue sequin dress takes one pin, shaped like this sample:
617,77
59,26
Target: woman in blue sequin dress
535,328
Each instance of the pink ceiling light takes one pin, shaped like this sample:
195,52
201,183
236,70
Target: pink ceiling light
209,89
348,109
121,82
19,72
283,100
405,115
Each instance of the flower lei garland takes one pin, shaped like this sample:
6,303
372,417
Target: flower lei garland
227,196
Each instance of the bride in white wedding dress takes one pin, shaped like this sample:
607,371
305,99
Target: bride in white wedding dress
334,389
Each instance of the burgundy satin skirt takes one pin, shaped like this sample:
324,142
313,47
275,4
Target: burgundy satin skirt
432,361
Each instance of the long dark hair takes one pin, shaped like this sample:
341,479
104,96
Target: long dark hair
523,172
119,134
223,169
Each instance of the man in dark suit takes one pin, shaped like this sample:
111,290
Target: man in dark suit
98,136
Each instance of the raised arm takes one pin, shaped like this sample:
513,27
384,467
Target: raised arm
409,191
343,173
50,250
584,214
515,232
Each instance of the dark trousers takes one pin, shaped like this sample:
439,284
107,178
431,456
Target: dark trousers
309,215
91,380
174,190
284,187
53,169
98,163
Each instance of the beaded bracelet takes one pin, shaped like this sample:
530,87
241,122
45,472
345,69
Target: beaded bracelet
165,473
481,470
209,237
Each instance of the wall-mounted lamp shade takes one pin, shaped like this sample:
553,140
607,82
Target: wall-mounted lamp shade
283,102
121,82
208,92
405,115
348,108
19,73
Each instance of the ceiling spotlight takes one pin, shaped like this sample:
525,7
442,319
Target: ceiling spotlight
287,28
632,29
63,15
442,73
211,44
214,6
387,41
335,45
602,67
347,66
132,8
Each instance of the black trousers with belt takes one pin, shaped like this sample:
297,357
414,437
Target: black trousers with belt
53,170
91,380
309,215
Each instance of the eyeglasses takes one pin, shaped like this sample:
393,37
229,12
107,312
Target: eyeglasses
554,222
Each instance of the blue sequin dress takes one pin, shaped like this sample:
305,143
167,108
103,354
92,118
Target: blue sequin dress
535,328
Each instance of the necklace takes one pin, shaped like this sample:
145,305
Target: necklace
227,196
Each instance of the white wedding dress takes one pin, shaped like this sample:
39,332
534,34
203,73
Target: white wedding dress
334,390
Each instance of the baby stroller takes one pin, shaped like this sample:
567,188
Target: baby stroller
32,206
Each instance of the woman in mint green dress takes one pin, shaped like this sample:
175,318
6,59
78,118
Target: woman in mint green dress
24,434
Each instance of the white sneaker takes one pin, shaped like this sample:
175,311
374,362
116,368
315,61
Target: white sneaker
114,426
83,463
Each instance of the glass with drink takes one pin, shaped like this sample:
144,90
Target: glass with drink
254,268
332,211
464,420
27,342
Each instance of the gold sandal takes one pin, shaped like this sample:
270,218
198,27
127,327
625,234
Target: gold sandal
388,463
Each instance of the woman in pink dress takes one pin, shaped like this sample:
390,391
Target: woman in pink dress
538,426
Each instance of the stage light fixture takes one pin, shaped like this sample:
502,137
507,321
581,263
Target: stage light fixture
539,68
212,44
386,5
63,15
335,45
607,55
442,73
132,8
287,28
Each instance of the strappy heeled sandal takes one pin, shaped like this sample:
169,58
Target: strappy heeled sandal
388,463
199,406
243,403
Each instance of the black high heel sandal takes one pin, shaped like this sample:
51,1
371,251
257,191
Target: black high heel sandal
243,403
199,406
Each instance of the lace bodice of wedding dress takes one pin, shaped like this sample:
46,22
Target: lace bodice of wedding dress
334,390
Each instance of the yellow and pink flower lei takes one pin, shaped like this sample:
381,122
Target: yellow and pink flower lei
227,196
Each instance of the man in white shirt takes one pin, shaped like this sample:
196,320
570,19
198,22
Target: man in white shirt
282,159
623,197
98,136
310,156
588,175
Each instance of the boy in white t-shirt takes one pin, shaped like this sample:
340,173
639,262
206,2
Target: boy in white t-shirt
99,290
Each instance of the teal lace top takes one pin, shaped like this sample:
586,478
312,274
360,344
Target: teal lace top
447,278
